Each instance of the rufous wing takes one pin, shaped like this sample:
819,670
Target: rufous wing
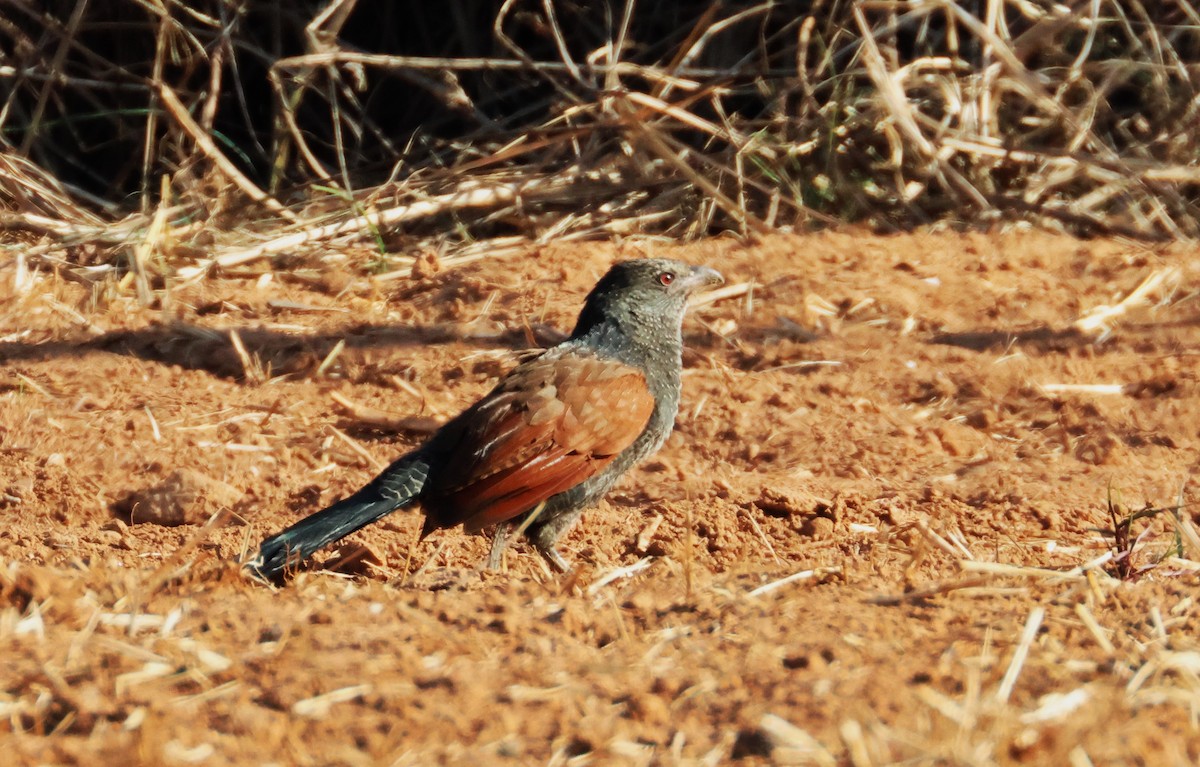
551,424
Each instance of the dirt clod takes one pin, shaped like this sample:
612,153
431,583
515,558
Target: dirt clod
791,499
185,497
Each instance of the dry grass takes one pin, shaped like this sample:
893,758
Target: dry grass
158,659
556,120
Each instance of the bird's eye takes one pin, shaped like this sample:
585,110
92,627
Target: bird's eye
666,278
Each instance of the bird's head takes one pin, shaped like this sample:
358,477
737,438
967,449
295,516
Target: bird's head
644,299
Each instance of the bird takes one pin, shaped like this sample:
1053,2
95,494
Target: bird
549,441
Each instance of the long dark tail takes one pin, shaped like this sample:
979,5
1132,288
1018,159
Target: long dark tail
396,487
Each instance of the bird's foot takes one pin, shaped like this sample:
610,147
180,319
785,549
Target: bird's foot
555,559
500,543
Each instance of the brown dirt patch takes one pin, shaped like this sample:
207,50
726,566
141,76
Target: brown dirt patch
876,404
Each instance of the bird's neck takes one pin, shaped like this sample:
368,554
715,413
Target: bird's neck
647,343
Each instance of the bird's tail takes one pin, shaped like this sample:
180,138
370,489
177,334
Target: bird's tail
396,487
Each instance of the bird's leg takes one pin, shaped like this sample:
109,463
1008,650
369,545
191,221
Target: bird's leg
545,535
499,544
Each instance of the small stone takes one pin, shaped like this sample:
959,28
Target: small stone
21,488
1098,449
817,528
426,265
59,540
17,493
185,497
786,501
335,281
954,441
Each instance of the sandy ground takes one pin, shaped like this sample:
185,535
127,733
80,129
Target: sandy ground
876,536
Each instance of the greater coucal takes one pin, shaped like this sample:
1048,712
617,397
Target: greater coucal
550,439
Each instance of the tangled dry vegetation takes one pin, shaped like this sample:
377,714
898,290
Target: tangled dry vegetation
135,134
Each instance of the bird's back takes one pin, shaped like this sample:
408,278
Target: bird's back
552,424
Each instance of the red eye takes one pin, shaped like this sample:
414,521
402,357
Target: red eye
666,278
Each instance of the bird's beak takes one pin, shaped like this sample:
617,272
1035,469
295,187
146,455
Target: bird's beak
699,278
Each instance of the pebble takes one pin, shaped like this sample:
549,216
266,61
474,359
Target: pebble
185,497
